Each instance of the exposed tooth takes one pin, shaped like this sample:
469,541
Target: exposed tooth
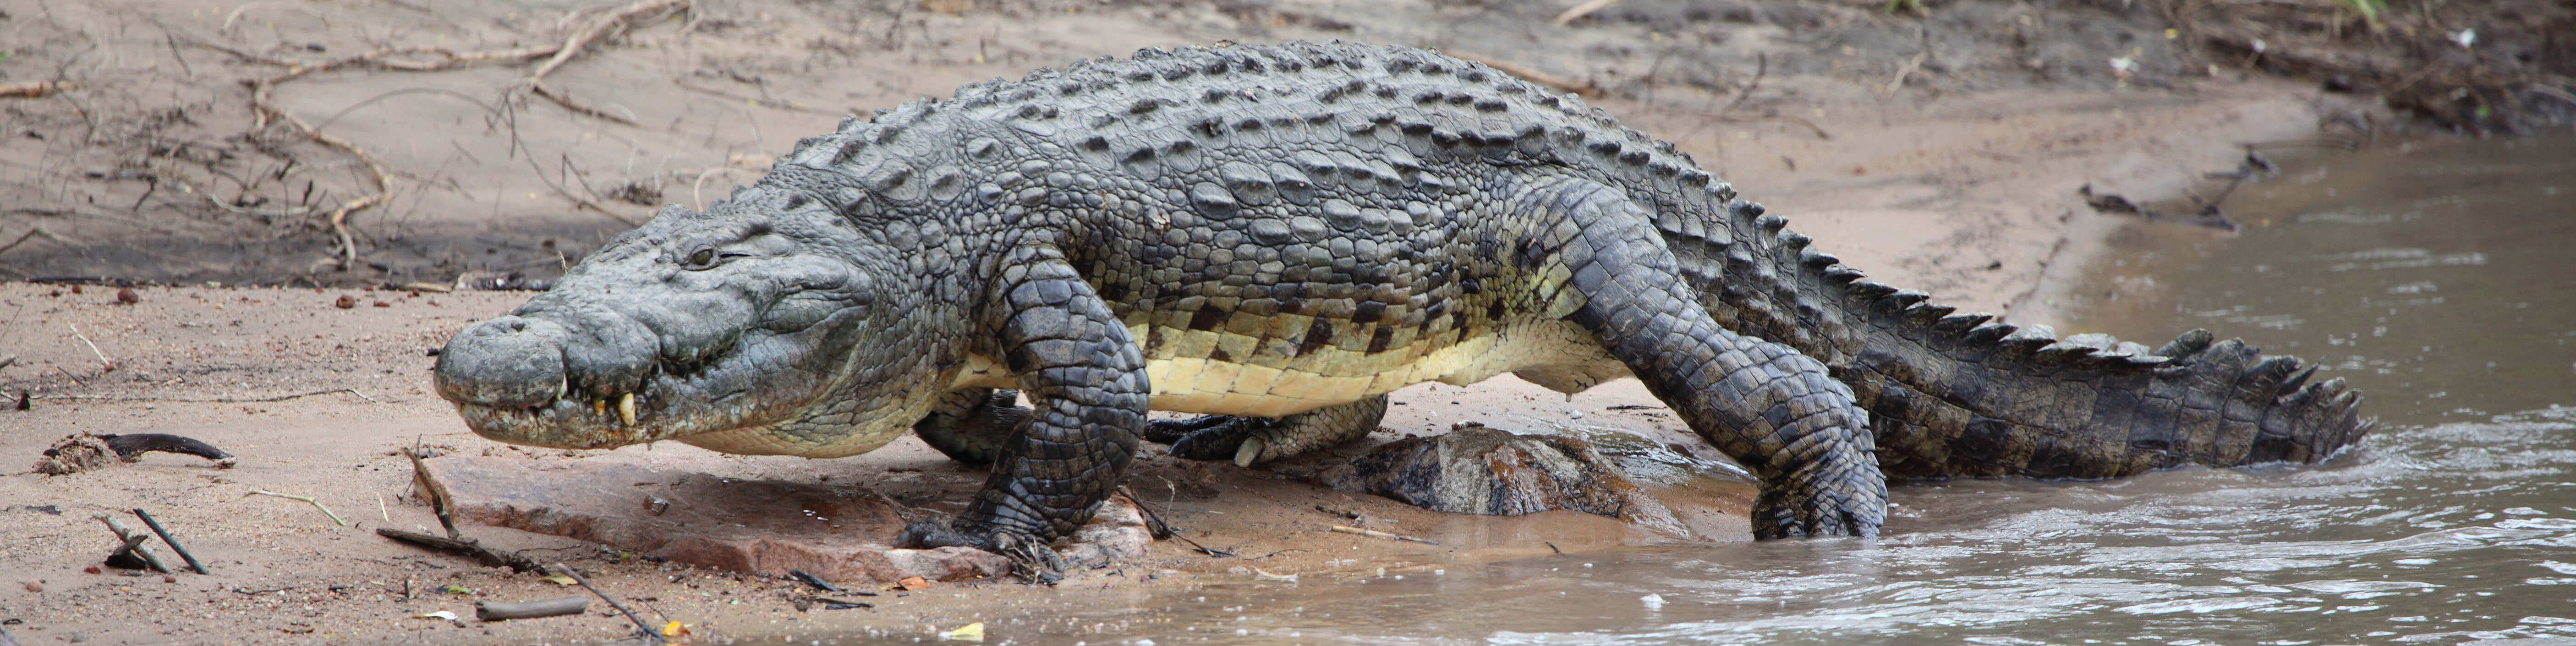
626,408
599,406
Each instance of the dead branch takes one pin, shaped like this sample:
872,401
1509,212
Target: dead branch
173,542
326,511
580,40
437,495
640,626
465,546
507,610
1346,529
420,59
31,89
130,446
1581,10
133,542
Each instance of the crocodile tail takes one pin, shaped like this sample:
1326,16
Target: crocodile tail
1954,394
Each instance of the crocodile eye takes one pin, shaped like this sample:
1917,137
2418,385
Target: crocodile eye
702,259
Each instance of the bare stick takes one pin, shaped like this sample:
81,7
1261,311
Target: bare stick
1581,10
93,347
1346,529
582,39
13,244
133,541
515,561
216,400
438,503
31,89
640,626
326,511
165,538
505,611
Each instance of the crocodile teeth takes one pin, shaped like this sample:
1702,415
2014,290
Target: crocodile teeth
626,408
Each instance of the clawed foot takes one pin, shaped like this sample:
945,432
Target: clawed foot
1031,559
1816,507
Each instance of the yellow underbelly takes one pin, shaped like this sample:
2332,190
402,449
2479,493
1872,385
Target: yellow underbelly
1552,353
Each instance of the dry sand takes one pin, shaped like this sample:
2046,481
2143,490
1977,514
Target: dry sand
1968,192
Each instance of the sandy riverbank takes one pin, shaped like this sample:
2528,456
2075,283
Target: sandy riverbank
1953,181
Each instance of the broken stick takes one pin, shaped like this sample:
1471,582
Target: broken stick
131,446
1346,529
133,542
165,538
326,511
505,610
515,561
640,626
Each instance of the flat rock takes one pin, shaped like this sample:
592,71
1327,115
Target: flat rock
1473,469
765,527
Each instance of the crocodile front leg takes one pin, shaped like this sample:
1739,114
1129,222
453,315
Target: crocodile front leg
1776,411
1076,363
1254,440
971,425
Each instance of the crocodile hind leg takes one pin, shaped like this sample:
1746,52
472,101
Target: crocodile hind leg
1254,440
1776,411
970,425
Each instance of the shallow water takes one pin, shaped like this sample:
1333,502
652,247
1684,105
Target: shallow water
2434,278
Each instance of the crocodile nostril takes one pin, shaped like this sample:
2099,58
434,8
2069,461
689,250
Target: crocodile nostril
505,363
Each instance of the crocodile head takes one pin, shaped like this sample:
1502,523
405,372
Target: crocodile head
753,327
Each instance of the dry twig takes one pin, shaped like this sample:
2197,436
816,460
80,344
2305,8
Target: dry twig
1346,529
31,89
506,610
421,59
165,538
133,542
460,545
326,511
1581,10
640,626
582,39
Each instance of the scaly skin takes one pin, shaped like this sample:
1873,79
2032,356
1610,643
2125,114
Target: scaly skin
1289,232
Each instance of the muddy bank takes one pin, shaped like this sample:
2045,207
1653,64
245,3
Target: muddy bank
1940,168
177,142
319,399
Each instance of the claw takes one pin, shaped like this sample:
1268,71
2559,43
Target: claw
1031,559
1250,453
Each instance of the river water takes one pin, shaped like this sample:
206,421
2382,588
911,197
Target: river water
2434,277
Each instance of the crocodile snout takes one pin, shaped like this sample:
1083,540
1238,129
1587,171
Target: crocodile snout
507,362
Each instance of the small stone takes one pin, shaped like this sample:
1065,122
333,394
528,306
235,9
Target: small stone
35,586
346,301
126,296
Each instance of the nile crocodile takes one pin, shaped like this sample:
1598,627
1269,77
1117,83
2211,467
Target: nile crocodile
1278,236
